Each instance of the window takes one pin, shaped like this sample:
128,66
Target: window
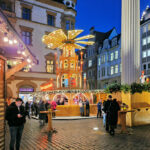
111,56
144,54
148,66
26,37
116,68
65,64
144,66
149,27
99,61
50,66
144,29
103,59
26,13
144,42
148,39
90,63
72,25
84,75
51,20
112,70
114,42
103,72
116,54
148,52
6,6
99,74
69,25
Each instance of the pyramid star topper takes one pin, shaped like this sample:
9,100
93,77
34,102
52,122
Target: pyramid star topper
58,39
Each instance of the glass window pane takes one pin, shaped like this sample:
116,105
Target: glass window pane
144,42
144,54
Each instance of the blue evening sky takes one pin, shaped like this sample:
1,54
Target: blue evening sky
102,14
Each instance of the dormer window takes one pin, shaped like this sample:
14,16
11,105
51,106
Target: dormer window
114,42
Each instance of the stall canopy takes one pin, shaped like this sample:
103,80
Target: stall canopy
13,48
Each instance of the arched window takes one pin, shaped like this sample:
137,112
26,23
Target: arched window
65,64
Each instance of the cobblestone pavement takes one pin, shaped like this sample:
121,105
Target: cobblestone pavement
79,135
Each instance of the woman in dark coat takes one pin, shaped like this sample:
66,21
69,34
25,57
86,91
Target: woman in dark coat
113,115
42,116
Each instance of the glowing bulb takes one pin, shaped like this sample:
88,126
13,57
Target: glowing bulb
144,13
29,60
24,53
15,41
5,39
10,42
18,52
30,66
14,62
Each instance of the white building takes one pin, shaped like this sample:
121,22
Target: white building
33,19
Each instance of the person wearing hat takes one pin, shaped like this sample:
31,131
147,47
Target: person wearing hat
15,115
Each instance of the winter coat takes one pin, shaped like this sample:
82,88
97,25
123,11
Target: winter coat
87,104
53,105
42,108
113,113
11,115
99,105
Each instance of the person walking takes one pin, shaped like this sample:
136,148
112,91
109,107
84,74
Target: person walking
104,114
81,107
42,116
27,109
99,109
87,107
113,115
106,110
15,115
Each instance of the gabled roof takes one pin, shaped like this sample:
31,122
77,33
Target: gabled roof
101,36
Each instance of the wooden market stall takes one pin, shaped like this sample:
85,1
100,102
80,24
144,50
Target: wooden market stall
12,50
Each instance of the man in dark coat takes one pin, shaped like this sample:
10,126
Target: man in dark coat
87,108
113,115
42,116
27,108
106,110
15,115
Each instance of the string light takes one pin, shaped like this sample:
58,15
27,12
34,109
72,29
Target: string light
29,60
5,39
10,42
15,41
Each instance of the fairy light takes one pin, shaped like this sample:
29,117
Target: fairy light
10,42
6,39
15,41
24,53
29,60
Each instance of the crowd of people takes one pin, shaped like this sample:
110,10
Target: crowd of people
17,111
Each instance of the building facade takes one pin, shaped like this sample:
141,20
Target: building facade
109,61
145,42
33,19
102,60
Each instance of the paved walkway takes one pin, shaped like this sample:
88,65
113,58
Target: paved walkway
87,134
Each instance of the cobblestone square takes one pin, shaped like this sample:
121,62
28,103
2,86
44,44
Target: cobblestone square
80,135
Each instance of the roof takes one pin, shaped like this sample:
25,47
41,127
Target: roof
101,36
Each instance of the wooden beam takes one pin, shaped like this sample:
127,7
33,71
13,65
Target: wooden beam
15,69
